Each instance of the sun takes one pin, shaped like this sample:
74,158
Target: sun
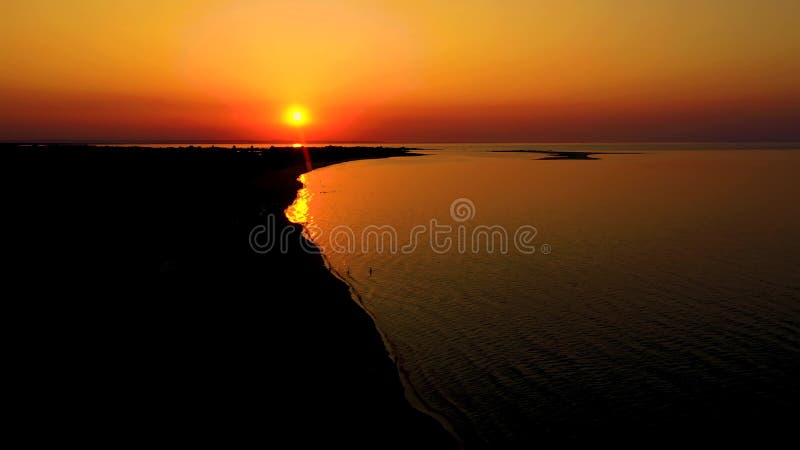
296,116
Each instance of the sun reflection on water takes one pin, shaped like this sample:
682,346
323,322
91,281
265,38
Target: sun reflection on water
298,212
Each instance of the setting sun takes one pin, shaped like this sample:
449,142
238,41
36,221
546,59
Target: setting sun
296,116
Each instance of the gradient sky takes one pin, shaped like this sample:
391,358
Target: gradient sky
392,70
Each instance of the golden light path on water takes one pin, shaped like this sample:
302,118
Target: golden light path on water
297,212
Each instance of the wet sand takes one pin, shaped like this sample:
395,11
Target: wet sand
144,316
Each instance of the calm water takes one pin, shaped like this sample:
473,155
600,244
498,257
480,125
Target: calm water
663,287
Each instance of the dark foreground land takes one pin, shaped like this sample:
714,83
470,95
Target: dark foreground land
143,316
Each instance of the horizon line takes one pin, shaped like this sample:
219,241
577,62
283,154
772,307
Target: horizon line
389,142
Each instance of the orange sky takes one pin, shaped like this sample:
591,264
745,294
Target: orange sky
392,70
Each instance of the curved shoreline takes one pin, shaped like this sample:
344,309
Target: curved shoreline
410,393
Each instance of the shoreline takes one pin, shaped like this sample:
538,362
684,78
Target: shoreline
189,326
411,394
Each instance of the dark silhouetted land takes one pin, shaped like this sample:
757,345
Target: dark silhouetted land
145,317
554,155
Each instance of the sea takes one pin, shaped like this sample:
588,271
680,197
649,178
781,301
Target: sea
530,299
